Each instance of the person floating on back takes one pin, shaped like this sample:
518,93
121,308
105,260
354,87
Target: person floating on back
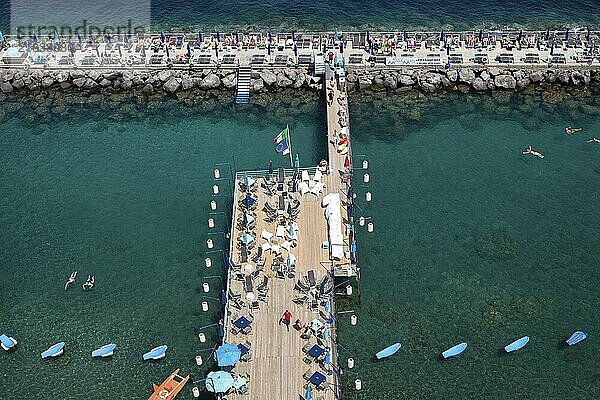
594,140
286,318
89,283
529,150
570,131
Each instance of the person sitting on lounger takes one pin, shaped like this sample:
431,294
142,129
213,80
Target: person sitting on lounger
529,150
570,131
594,140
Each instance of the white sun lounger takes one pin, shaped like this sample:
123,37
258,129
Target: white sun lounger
287,246
318,176
265,246
305,177
275,248
265,234
303,188
318,188
280,232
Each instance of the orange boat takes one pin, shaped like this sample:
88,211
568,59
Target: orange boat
170,387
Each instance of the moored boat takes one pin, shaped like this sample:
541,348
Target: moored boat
104,351
576,337
8,342
156,353
170,387
517,344
388,351
54,350
454,350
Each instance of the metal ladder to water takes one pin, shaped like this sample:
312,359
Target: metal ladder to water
243,84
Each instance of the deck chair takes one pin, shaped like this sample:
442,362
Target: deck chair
303,188
254,306
307,347
263,297
234,330
307,374
265,234
300,300
308,360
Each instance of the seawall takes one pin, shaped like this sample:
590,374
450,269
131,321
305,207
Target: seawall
427,80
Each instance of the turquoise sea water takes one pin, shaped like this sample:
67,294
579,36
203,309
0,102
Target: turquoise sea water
473,242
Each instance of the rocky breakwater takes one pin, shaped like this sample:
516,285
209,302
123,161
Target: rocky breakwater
467,79
13,81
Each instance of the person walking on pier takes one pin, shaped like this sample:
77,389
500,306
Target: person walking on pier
286,318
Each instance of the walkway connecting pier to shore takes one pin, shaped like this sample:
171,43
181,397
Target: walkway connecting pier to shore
285,255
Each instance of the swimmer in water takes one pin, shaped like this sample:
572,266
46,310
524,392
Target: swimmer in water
71,279
570,131
594,140
529,150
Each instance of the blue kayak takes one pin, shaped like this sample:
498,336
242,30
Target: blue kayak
388,351
156,353
517,344
54,351
104,351
576,337
7,342
454,350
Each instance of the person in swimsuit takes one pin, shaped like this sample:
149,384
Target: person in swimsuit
570,131
594,140
529,150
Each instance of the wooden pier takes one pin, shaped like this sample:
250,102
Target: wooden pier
275,267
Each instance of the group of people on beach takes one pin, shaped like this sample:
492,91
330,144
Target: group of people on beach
569,131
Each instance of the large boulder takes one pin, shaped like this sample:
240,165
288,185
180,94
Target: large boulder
148,88
6,87
79,82
105,83
536,76
406,80
94,74
364,82
505,82
164,75
452,75
257,84
479,85
564,77
268,77
229,81
172,85
466,75
282,80
299,81
390,82
90,84
211,81
186,82
47,81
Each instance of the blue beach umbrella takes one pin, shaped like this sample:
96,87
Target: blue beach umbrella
227,355
219,381
326,330
167,50
247,238
289,261
335,36
218,37
237,37
353,247
189,51
292,230
248,201
289,211
268,48
297,162
327,310
327,359
308,394
162,37
270,167
350,211
324,47
246,181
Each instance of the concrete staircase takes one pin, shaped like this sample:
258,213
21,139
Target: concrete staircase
243,84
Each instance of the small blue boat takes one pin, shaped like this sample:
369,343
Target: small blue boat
388,351
7,342
454,350
104,351
576,337
54,351
156,353
517,344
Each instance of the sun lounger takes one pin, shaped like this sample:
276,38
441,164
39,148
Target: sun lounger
305,177
318,188
318,176
303,188
248,287
265,234
280,231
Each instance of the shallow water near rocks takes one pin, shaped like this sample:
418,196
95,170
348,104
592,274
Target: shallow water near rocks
473,242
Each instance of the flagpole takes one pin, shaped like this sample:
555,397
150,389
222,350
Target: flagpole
290,143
